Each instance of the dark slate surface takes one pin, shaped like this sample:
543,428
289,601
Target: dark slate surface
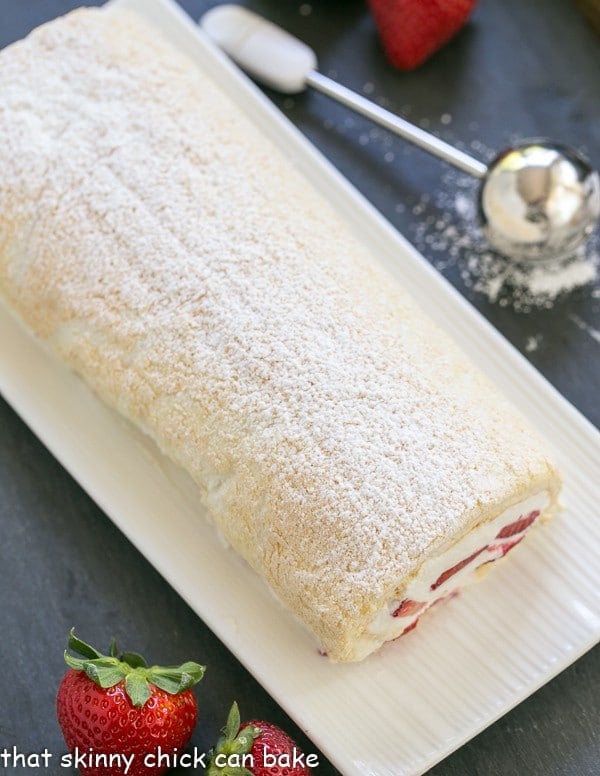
519,69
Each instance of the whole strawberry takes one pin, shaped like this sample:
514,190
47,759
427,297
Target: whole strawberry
412,30
118,715
257,748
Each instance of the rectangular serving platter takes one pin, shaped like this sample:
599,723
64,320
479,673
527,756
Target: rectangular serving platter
407,707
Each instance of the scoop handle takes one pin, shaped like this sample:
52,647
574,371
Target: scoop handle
399,126
265,51
286,64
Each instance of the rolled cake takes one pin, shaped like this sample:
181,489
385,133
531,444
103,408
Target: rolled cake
172,256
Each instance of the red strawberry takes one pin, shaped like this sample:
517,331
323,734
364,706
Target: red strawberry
408,607
504,547
520,525
115,712
412,30
257,749
445,576
410,627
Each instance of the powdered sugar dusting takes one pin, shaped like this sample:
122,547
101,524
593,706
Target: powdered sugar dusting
452,238
180,263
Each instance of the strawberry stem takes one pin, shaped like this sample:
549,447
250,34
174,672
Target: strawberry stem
81,648
232,742
131,669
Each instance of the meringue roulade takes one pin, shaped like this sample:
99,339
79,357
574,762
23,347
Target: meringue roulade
161,246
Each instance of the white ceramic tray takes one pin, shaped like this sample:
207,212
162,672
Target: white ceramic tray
404,709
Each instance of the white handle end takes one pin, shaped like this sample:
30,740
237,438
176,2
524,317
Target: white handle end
265,51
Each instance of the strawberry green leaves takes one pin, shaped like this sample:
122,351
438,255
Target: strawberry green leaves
85,650
131,669
256,748
232,746
175,679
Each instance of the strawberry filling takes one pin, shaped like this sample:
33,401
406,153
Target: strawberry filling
408,607
410,627
504,547
520,525
445,576
442,576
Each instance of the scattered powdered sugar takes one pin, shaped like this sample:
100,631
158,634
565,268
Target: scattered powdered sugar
594,333
450,235
533,343
527,286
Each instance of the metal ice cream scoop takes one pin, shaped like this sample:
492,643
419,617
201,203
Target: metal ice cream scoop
538,200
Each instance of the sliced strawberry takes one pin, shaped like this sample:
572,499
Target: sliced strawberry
408,607
445,576
505,547
520,525
412,30
410,627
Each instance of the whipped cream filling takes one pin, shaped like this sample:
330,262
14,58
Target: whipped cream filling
443,575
